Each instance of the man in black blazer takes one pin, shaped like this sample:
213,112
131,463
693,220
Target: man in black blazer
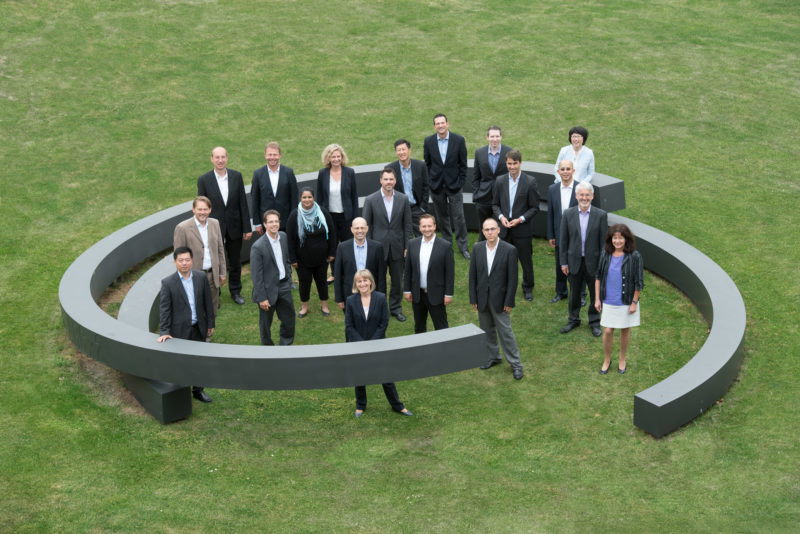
516,215
429,276
225,188
185,308
445,154
579,253
388,217
274,188
412,180
490,162
560,196
492,288
370,256
272,281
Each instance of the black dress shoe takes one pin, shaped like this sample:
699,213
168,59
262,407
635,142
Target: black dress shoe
490,364
518,374
407,413
556,299
358,413
201,395
597,331
568,327
605,371
528,295
238,299
465,254
399,316
621,371
583,302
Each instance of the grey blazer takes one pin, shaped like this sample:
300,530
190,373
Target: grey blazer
569,245
393,234
264,269
174,311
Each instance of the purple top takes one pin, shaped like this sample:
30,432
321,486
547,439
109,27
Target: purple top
614,282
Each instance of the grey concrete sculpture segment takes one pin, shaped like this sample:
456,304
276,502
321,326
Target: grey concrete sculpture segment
152,369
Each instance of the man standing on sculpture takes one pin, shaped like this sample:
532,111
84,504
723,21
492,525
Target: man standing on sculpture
492,288
445,154
355,255
272,284
490,162
582,238
515,202
388,216
412,180
274,188
185,307
429,276
202,235
225,189
560,196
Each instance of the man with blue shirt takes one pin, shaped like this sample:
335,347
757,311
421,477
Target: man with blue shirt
490,162
412,180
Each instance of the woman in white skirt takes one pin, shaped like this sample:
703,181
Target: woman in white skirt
618,284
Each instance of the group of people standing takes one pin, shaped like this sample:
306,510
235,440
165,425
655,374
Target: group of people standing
312,229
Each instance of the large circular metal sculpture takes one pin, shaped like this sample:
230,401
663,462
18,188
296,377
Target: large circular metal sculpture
151,370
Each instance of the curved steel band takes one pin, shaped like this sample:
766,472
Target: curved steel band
127,345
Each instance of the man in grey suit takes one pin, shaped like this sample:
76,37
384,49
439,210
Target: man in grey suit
224,187
490,162
356,254
272,283
582,238
445,154
429,276
560,196
388,217
202,235
492,288
412,180
515,202
185,308
274,188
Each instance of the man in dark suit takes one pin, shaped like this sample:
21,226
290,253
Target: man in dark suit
225,189
185,308
582,238
412,180
272,281
560,196
274,188
356,254
515,201
429,276
490,162
388,217
492,288
445,154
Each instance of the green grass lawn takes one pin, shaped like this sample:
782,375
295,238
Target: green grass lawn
108,112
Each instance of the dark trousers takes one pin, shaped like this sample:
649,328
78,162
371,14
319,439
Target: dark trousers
342,226
524,248
285,309
422,308
320,276
395,266
450,207
196,335
388,389
233,253
561,279
484,212
576,282
416,211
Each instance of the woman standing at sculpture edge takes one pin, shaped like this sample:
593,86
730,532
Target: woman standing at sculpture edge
579,154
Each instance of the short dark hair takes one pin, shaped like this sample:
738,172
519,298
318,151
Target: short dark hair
514,154
181,250
310,190
439,115
402,142
580,130
388,170
630,240
494,127
270,212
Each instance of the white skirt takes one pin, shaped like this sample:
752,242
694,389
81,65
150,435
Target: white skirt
619,316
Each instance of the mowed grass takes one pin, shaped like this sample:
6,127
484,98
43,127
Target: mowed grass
108,113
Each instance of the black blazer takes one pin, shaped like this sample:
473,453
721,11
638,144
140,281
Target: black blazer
174,310
450,174
344,268
233,217
526,204
360,328
264,270
263,199
441,271
569,244
298,253
499,288
394,234
419,181
483,178
554,208
349,191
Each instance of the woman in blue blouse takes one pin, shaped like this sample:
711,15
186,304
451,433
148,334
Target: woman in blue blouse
618,284
579,154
